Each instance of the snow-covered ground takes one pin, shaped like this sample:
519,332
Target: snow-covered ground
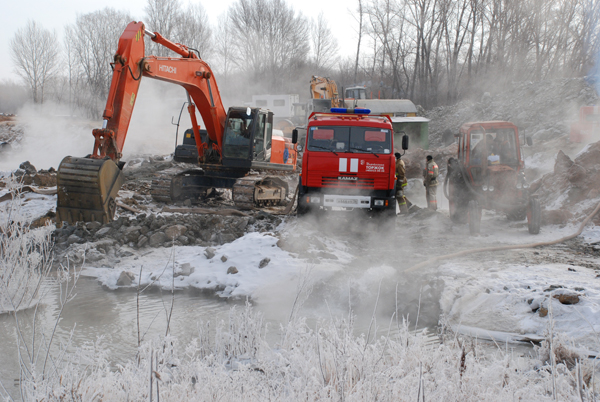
245,254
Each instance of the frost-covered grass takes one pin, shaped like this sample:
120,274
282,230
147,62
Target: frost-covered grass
24,256
234,362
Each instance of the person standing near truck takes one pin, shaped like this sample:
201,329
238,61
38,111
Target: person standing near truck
430,174
401,183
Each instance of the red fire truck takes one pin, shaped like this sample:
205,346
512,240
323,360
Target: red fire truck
348,162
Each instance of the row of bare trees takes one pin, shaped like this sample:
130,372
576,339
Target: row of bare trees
439,51
431,51
263,42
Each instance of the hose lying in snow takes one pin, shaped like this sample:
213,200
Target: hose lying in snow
508,247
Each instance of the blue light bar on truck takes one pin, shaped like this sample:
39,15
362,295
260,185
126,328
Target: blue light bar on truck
345,110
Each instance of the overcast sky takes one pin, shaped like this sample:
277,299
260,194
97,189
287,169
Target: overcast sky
55,15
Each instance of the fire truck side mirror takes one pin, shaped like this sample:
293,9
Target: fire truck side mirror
529,141
294,136
405,142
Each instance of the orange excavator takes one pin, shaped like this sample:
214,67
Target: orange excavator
324,88
239,140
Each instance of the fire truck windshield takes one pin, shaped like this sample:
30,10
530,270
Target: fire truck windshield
350,139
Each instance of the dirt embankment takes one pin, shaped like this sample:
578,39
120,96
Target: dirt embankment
543,110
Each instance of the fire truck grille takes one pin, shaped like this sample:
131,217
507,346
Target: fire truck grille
358,183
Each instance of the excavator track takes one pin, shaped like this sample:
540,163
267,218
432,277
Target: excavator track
174,186
87,189
259,191
160,189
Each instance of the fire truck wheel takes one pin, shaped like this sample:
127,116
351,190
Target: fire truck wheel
474,217
534,216
301,210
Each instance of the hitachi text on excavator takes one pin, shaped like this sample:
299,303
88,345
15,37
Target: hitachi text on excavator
239,140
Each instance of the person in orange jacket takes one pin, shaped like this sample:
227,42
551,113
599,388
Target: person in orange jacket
430,175
401,183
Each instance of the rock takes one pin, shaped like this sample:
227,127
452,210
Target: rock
93,225
576,173
103,232
264,262
187,202
224,258
226,238
131,233
157,239
563,163
242,224
264,215
93,255
175,231
183,240
209,253
122,253
232,270
28,167
185,270
104,244
142,241
125,279
74,239
543,311
567,298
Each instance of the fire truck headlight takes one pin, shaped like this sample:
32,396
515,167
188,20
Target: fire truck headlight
525,185
491,188
315,200
484,187
379,203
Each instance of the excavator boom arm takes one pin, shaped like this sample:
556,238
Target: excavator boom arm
130,65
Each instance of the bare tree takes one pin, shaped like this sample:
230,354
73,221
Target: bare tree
92,42
162,16
193,29
324,44
360,32
270,41
223,46
35,52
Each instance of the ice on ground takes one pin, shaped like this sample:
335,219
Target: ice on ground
245,253
499,297
32,205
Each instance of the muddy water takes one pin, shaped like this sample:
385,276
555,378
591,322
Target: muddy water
371,285
111,315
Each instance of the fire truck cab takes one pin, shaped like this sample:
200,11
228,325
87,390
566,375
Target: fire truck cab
348,163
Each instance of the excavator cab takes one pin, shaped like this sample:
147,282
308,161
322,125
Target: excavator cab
248,136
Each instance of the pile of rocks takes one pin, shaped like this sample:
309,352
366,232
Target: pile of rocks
572,190
154,231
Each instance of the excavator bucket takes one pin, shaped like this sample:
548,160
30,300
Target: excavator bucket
87,189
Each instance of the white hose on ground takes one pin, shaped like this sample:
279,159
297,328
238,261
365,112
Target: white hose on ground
507,247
